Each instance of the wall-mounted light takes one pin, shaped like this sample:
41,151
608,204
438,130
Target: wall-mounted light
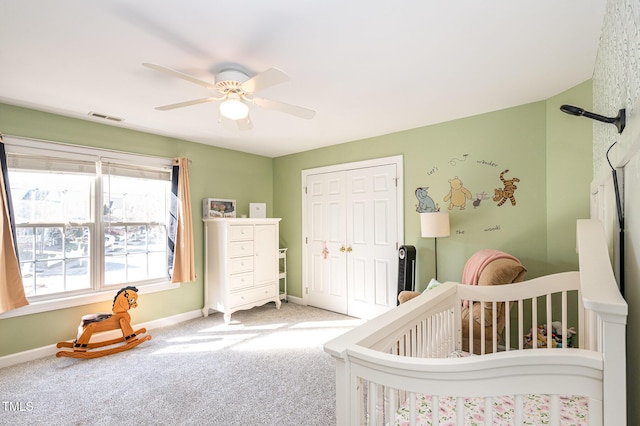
619,121
233,107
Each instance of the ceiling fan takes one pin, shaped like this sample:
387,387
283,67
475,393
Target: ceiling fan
236,90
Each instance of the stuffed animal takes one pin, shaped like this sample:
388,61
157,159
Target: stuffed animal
556,336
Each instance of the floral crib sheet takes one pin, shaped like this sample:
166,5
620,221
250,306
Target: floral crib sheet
573,411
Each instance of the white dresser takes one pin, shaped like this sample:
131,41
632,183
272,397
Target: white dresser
241,264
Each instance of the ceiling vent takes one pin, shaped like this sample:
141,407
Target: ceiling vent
106,117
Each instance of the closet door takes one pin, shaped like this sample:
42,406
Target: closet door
326,259
352,222
372,261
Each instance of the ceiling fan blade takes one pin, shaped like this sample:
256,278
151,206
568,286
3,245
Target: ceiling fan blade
186,103
179,75
265,79
298,111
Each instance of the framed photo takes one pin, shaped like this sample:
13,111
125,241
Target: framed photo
218,207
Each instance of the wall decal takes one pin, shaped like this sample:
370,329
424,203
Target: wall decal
479,198
454,160
506,193
432,171
493,228
425,203
458,195
487,163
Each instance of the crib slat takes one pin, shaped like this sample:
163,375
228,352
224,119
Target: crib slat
373,398
424,342
412,408
435,403
554,410
393,403
414,341
470,330
488,411
482,329
494,326
534,322
431,330
460,411
520,326
549,320
437,336
519,410
565,339
507,325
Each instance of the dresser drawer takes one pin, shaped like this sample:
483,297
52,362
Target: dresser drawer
240,232
239,281
241,248
240,264
253,295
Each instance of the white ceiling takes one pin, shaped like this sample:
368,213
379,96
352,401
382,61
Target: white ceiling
367,67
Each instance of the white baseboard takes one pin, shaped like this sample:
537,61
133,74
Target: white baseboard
294,299
50,350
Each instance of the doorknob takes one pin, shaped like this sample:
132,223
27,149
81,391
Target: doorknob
349,250
342,249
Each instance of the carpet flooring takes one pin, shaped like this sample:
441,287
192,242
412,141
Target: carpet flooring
267,367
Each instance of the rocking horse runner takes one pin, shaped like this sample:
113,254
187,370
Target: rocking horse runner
125,299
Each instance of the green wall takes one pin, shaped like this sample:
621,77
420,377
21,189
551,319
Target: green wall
536,142
569,173
213,172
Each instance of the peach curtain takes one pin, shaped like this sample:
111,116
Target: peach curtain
11,288
184,269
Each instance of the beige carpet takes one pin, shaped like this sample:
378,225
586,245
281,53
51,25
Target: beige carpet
267,367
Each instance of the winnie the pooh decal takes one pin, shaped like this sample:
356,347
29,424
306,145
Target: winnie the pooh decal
458,195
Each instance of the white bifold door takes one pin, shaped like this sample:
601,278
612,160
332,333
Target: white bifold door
351,239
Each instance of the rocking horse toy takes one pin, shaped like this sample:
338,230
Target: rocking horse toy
125,299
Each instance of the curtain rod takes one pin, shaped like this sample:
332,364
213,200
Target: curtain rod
66,144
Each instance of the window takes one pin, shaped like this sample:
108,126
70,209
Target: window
87,220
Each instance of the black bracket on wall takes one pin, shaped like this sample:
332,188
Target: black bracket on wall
619,121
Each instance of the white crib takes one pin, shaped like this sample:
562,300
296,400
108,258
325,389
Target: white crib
397,369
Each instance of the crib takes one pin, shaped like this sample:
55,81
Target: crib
406,367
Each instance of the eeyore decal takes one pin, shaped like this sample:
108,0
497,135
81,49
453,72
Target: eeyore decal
425,203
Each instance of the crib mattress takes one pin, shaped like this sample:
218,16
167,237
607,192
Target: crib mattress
573,411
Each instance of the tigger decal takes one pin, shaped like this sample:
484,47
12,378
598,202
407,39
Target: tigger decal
506,193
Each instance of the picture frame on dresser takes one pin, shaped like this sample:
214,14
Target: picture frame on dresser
218,207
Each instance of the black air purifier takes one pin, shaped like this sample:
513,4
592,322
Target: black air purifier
406,269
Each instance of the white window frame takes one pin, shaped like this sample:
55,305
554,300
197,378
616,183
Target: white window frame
14,144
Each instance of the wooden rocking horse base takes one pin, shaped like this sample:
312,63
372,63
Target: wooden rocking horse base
86,352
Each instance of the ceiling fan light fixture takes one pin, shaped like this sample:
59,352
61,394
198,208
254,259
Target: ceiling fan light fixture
233,108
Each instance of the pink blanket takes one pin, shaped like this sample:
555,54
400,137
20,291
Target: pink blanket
477,262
